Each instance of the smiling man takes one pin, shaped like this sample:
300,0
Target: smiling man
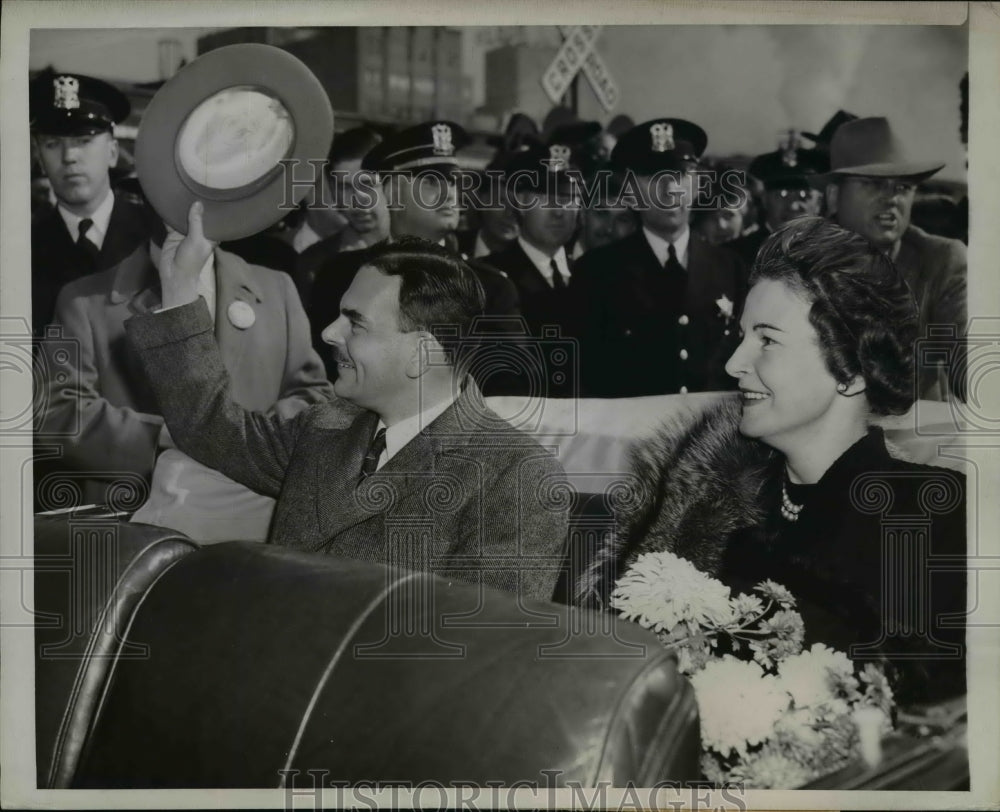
426,476
417,172
873,182
89,229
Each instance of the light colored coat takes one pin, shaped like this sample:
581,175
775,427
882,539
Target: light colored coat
98,406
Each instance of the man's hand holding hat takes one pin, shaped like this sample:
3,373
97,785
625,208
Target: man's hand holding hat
182,258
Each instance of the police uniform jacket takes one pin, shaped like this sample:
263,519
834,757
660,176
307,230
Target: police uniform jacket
56,260
541,304
644,330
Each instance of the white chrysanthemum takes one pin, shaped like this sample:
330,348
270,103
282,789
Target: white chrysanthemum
775,770
738,704
747,606
812,677
661,590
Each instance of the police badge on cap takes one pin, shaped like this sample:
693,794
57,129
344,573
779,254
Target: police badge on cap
73,104
663,143
431,145
791,166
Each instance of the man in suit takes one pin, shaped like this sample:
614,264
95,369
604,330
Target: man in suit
546,205
90,229
788,193
426,476
655,311
418,171
106,417
870,190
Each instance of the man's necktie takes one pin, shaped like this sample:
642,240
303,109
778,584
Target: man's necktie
89,250
370,462
558,283
672,264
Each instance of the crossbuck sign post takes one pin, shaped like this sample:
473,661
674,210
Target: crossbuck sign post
575,55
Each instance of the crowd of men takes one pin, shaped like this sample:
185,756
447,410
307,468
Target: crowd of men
631,246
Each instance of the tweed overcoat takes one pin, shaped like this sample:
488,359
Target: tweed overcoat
469,497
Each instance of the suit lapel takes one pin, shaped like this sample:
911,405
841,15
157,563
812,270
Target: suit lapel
233,283
528,276
350,502
337,473
124,231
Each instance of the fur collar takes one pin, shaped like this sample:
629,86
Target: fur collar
696,484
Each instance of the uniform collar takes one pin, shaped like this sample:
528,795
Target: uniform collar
544,262
660,246
100,219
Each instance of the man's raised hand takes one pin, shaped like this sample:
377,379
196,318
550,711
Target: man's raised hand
182,259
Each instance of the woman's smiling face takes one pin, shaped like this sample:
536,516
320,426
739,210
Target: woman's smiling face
786,388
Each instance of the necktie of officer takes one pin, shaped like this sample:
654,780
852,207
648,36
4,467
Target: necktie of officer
90,251
370,463
672,264
558,283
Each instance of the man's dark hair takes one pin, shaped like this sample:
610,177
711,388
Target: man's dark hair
438,292
352,145
862,309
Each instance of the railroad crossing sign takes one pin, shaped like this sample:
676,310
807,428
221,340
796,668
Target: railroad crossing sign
577,54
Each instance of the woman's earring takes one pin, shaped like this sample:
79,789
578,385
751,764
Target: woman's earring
842,388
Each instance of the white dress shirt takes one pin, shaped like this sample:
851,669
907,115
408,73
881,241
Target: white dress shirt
304,237
543,261
661,249
399,434
100,219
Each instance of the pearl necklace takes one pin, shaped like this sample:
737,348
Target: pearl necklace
789,510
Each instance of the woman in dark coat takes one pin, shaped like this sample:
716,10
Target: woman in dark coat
792,484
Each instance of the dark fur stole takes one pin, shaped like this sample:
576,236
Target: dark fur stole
697,484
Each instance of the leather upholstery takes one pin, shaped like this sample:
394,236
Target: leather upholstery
263,660
89,577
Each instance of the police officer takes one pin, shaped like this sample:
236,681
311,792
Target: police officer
655,312
417,170
90,229
546,203
789,176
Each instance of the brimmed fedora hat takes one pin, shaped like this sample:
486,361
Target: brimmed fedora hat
868,147
219,132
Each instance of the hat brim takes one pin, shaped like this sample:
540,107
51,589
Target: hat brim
917,171
232,214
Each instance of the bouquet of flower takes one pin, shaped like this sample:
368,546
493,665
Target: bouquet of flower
775,721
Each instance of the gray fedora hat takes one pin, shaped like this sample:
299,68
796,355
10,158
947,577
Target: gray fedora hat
868,147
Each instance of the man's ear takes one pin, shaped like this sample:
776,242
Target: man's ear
112,152
832,194
426,353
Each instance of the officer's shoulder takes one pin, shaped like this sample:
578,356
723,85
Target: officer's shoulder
599,257
483,267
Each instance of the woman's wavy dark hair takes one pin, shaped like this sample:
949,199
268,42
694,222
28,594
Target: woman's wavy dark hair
862,309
